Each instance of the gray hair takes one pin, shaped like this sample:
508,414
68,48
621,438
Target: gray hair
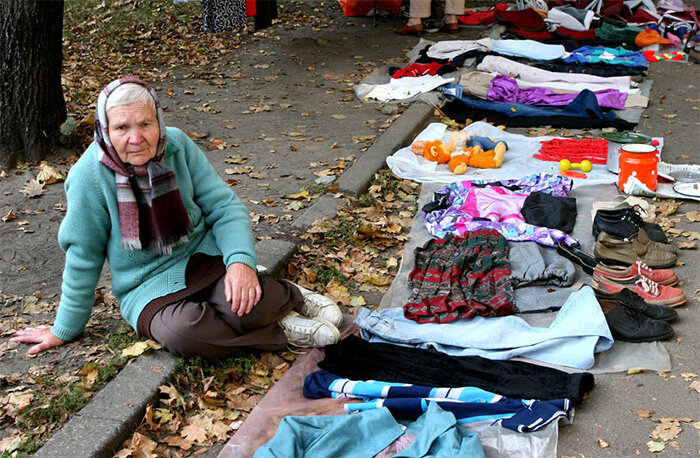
129,93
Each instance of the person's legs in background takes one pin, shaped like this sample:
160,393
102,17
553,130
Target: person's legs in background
418,10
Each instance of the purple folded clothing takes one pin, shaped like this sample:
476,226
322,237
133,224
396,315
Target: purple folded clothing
506,89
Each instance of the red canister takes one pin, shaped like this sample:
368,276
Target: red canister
639,161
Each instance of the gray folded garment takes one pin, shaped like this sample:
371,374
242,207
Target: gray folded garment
533,264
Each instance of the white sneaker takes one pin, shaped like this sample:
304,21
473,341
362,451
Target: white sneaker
308,332
319,306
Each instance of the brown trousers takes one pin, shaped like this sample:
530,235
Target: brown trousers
203,324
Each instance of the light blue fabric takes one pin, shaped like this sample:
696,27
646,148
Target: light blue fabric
578,331
530,49
90,233
367,433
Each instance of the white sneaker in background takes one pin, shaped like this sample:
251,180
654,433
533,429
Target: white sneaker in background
308,332
319,306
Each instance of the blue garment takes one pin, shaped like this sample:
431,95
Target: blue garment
585,105
612,56
365,434
484,142
533,50
468,404
578,331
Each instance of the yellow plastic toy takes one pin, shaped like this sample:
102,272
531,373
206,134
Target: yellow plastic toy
585,165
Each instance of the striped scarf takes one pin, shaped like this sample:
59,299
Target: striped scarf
151,213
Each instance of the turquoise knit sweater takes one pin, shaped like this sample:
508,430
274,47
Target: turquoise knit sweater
90,233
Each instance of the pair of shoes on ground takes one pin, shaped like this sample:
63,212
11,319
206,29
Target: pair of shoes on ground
638,247
609,281
643,208
624,222
316,324
418,29
631,319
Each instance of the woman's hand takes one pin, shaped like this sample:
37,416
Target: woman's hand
41,335
242,288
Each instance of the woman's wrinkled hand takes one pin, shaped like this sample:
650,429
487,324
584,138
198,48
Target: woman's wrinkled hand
40,335
242,288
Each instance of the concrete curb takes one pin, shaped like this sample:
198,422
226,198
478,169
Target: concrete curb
102,425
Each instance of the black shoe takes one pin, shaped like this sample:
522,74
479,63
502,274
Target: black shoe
632,300
622,223
582,259
630,325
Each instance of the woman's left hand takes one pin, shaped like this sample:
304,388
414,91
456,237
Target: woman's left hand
242,288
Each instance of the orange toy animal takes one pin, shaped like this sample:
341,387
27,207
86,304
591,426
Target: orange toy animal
476,157
436,151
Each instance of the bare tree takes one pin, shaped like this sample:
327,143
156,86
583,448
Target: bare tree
31,99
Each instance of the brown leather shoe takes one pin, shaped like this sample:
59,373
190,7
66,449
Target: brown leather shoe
449,28
410,30
636,248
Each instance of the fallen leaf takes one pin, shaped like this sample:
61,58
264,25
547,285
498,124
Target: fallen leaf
174,398
10,443
303,195
239,170
602,443
33,188
141,446
358,301
667,429
695,386
140,347
688,376
634,371
238,159
338,116
197,135
645,413
195,433
9,217
654,446
177,441
376,280
687,245
694,236
693,216
668,208
48,174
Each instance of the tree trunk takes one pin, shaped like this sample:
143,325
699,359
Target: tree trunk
31,98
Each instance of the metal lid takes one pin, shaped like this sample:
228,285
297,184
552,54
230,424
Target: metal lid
625,137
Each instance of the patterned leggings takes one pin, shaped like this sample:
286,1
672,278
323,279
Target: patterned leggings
224,15
460,278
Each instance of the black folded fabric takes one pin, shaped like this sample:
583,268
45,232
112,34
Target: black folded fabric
598,69
357,359
460,113
546,210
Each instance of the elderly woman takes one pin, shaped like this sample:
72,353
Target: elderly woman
179,244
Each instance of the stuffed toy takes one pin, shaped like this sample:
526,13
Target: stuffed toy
463,150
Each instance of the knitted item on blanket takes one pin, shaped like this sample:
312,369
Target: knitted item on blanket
460,278
651,56
594,150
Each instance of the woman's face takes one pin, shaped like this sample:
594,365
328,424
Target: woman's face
133,130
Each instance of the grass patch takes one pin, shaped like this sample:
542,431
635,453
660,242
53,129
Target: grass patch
54,402
194,370
343,231
325,274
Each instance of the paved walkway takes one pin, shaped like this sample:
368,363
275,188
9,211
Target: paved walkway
285,103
